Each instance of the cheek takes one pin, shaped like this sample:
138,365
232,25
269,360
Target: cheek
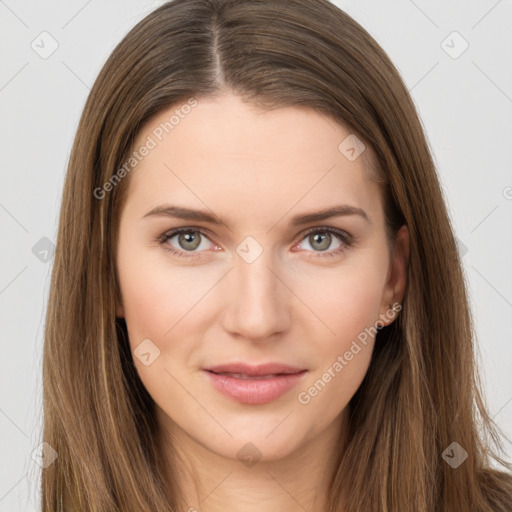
158,303
342,359
170,306
348,306
146,302
344,300
155,295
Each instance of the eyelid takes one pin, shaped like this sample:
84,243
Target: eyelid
165,237
344,235
346,238
185,229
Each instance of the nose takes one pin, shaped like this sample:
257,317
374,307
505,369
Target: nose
257,305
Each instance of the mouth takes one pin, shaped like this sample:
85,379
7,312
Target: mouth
254,384
254,370
245,376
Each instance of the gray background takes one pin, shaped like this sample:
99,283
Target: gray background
465,102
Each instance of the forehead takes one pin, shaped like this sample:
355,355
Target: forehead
229,152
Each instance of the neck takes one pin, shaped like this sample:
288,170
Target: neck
208,482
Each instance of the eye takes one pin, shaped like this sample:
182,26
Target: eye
320,239
189,240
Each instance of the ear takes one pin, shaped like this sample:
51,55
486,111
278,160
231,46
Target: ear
395,286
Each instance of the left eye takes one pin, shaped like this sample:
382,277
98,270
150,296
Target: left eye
320,239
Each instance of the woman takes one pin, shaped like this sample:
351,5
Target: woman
257,302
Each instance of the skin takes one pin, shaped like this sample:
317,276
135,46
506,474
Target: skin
294,304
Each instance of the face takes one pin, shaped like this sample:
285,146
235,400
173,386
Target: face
261,285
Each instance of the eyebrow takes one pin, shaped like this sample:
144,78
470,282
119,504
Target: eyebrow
179,212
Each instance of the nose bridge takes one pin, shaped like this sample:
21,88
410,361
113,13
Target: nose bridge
256,305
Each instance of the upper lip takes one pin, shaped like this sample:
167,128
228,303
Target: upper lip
255,370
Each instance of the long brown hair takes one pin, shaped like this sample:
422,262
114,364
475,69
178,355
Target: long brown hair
421,392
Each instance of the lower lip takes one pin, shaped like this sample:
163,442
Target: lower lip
254,391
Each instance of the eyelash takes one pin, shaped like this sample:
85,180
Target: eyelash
347,240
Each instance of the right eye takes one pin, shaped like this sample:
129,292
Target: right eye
188,240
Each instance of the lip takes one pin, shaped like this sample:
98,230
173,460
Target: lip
254,369
254,384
